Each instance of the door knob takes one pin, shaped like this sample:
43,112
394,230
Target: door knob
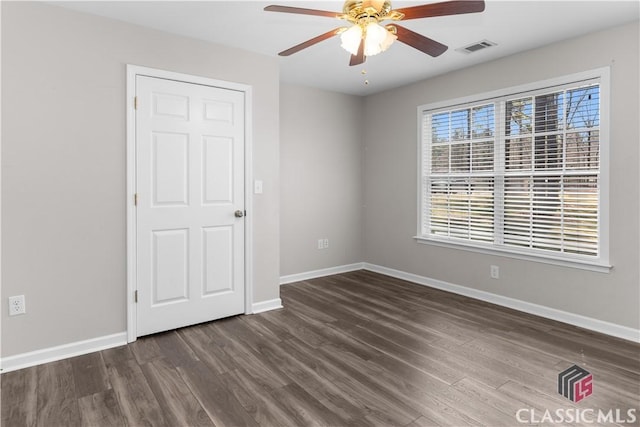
239,214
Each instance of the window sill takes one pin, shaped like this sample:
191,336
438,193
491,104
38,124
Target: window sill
514,253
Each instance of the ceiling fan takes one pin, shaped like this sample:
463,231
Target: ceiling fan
366,37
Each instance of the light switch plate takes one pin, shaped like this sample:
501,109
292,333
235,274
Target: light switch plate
257,186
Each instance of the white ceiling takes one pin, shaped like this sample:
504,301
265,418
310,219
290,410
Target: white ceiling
514,25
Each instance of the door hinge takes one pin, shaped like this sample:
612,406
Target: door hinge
135,296
135,199
135,102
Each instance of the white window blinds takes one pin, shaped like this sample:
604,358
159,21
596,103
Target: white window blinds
460,178
517,172
551,156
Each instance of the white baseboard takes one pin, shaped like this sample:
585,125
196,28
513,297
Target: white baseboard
38,357
52,354
596,325
262,306
25,360
321,273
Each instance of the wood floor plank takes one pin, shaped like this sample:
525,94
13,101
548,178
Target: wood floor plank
19,398
333,333
258,401
352,380
331,389
611,354
513,353
209,352
417,354
271,333
317,377
307,409
90,374
286,321
423,421
372,304
502,402
420,391
117,360
613,344
240,331
307,371
138,404
388,313
358,349
178,404
174,349
340,312
264,373
309,310
57,401
100,409
221,406
571,349
495,365
447,324
145,349
425,298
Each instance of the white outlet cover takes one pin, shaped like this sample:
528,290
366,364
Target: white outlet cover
17,305
495,272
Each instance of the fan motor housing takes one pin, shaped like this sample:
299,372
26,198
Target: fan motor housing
358,9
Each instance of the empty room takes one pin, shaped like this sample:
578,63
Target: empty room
431,213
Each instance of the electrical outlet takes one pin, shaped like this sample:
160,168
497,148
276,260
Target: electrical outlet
17,305
325,243
320,244
495,272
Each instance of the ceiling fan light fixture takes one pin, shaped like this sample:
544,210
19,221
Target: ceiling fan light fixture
351,39
378,39
366,37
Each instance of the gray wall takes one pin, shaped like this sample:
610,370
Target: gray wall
390,182
348,172
63,165
321,179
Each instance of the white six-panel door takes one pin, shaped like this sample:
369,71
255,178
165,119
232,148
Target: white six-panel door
189,184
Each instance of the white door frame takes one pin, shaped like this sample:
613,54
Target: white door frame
132,72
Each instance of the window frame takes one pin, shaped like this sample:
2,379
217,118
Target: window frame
599,263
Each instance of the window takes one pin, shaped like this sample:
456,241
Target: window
520,172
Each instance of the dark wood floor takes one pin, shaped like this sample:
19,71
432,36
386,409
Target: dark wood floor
355,349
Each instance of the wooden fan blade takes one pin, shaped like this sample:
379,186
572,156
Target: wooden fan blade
442,9
359,58
302,11
420,42
311,42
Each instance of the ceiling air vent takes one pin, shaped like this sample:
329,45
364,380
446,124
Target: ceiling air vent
476,46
